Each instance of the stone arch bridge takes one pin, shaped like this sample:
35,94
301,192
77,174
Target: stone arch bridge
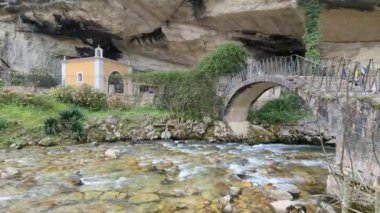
308,79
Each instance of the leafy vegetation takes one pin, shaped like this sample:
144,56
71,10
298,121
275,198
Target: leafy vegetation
192,93
36,78
311,38
52,126
284,110
70,121
85,96
24,99
69,115
4,123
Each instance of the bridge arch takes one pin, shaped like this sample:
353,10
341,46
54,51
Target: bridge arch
238,103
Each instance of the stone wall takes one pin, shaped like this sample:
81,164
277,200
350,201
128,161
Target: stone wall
355,123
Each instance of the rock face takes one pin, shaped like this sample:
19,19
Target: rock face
354,40
150,34
168,34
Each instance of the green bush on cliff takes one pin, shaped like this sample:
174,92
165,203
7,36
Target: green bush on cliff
286,109
192,93
312,10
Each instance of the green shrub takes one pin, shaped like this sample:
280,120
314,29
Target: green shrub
18,79
225,60
52,126
68,116
4,124
64,94
70,121
287,109
43,80
25,99
76,130
192,93
84,96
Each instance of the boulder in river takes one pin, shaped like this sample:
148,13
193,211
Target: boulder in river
113,153
9,173
286,206
292,189
234,191
280,195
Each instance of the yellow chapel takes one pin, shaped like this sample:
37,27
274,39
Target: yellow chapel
109,76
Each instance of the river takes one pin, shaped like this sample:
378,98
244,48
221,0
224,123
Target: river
157,176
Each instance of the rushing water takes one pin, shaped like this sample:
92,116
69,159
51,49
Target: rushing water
149,177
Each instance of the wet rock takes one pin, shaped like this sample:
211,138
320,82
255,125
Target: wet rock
259,135
48,142
9,173
292,189
234,191
280,195
300,156
163,165
144,198
282,206
246,184
199,129
75,196
97,135
179,207
18,145
185,192
166,135
112,195
113,153
76,181
29,182
222,131
179,134
94,143
92,195
122,195
227,208
225,200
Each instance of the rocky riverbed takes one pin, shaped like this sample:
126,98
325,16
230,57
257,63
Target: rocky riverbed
163,177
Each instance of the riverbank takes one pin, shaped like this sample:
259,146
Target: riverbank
144,124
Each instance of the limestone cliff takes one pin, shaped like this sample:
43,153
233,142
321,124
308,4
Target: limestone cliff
152,34
164,34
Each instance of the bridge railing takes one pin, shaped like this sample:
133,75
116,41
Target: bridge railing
326,75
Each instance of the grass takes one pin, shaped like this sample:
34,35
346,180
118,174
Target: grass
28,121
